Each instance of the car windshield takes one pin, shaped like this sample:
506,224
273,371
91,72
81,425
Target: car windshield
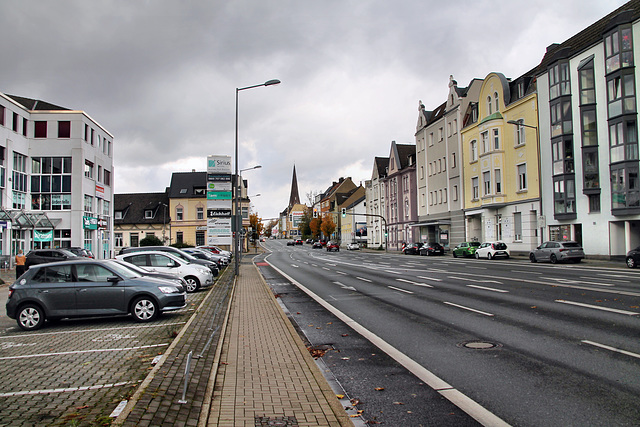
474,243
121,270
500,245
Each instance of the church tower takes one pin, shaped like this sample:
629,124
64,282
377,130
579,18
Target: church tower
294,198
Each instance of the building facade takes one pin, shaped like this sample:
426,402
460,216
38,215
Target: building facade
375,193
140,215
56,178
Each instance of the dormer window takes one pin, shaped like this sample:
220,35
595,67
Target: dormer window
148,214
183,191
118,214
199,191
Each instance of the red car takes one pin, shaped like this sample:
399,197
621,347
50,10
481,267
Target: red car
333,246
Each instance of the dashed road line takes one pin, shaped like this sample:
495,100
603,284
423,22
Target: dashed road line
612,310
398,289
617,350
487,289
469,308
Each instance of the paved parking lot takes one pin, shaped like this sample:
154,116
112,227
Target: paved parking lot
76,372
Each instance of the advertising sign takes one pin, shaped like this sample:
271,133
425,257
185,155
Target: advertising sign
218,164
218,213
89,223
43,236
219,186
218,195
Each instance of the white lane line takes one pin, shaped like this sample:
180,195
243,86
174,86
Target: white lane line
101,350
468,405
393,272
340,272
81,331
66,390
343,286
617,350
414,283
398,289
363,279
468,308
487,289
474,280
326,268
294,266
429,278
575,282
612,310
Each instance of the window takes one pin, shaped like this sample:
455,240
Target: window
444,195
517,226
148,214
51,183
99,177
88,240
496,139
562,156
440,134
561,118
623,141
88,169
564,196
497,173
590,169
618,50
588,127
559,80
474,188
430,139
200,215
453,160
200,238
594,203
485,142
24,126
455,126
455,192
39,129
489,106
19,180
135,240
497,101
621,94
88,203
85,136
64,129
16,122
117,215
522,177
179,237
179,214
587,83
624,186
107,177
106,208
421,172
444,164
2,113
117,240
486,179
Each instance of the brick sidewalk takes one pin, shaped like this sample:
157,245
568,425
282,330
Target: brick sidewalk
266,375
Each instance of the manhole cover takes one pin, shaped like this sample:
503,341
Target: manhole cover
277,421
479,345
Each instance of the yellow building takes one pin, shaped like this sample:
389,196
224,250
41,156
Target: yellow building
500,163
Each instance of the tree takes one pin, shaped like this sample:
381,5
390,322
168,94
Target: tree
270,227
328,226
303,225
151,240
314,227
256,224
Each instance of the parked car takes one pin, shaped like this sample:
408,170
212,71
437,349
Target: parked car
353,246
84,287
81,252
216,250
316,245
633,257
465,249
196,276
431,248
221,260
557,252
491,250
291,243
412,249
333,246
213,266
178,281
40,256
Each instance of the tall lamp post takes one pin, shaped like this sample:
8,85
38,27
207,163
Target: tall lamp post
239,218
237,199
520,124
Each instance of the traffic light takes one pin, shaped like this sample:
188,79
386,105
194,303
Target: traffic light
344,212
315,213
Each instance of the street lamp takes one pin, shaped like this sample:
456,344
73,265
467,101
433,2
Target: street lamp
237,199
522,124
164,222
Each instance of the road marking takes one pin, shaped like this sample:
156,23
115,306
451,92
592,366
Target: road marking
294,266
414,283
617,350
398,289
474,280
429,278
612,310
363,279
393,272
468,308
66,390
340,272
468,405
575,282
326,268
487,289
343,286
102,350
119,328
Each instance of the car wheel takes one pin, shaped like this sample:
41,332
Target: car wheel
30,317
489,255
192,284
507,256
631,263
144,309
532,258
553,259
477,255
454,255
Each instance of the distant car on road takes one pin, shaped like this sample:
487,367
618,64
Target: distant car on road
554,252
465,249
431,248
353,247
40,256
412,249
333,247
316,245
491,250
85,287
291,243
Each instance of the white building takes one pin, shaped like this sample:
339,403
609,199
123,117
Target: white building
56,178
375,199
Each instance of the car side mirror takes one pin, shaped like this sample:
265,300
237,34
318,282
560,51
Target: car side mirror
113,279
539,247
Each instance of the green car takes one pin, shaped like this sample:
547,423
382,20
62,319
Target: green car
466,249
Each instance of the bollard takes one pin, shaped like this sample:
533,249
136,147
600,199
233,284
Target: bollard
186,379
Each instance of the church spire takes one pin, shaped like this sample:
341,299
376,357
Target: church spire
294,198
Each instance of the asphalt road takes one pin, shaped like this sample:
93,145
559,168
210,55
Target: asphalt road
528,344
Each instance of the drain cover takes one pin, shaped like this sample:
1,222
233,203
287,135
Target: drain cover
276,421
479,345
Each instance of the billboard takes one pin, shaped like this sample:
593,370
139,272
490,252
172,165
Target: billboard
219,205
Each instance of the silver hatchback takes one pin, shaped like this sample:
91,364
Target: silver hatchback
554,252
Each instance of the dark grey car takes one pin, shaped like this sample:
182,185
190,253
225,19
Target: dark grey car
86,287
554,252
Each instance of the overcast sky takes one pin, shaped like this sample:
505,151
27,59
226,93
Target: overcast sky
161,75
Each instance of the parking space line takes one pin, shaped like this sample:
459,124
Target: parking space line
101,350
119,328
66,390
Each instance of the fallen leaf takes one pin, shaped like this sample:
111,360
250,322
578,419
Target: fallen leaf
345,335
398,403
355,402
330,323
534,306
379,388
340,396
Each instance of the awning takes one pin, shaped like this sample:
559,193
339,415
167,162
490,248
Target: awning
438,222
28,220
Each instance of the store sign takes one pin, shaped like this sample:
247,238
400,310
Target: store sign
219,186
89,223
102,224
99,191
218,164
43,236
218,195
218,212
